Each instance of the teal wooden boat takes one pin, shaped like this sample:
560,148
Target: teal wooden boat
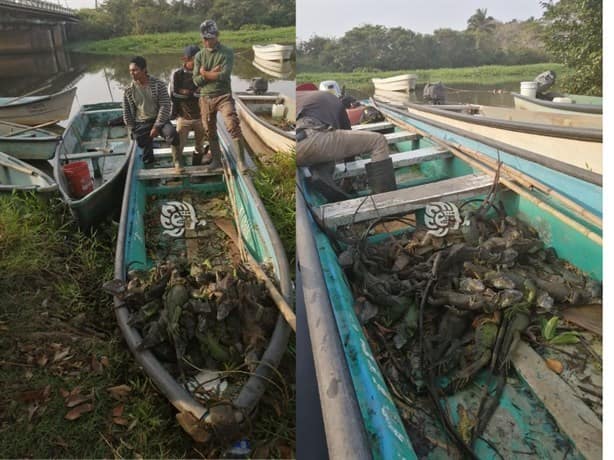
105,148
33,110
379,409
18,176
582,185
146,239
27,143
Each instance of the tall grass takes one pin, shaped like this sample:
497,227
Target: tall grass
483,75
174,42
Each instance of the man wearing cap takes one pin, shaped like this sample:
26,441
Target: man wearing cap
212,69
185,107
147,109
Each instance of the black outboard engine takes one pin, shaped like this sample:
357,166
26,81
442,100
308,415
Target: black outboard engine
371,115
544,81
349,102
259,85
434,93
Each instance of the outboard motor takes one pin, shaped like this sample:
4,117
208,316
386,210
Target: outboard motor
349,102
371,115
434,93
544,81
259,85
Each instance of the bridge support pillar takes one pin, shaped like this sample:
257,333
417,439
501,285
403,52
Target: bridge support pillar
32,39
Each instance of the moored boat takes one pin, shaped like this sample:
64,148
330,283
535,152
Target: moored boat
273,52
33,110
374,284
547,153
277,69
19,176
591,106
169,217
27,143
271,117
97,142
405,82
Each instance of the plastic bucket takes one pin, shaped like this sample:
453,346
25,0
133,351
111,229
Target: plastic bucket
528,88
79,180
277,112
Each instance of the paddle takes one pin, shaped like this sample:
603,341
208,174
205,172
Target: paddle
27,94
16,167
19,131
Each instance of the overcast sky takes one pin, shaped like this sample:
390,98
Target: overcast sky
332,18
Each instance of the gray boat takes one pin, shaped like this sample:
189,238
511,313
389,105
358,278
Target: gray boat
16,175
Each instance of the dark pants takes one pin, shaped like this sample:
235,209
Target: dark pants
145,141
209,107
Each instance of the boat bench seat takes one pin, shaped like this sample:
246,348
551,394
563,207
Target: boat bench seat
401,136
170,173
90,155
399,160
403,201
166,151
379,126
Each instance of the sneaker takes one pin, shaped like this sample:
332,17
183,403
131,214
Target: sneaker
178,168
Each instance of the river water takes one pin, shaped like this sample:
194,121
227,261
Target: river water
102,78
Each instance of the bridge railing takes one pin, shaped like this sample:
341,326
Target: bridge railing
39,5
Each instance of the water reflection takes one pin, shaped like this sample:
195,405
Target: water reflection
103,78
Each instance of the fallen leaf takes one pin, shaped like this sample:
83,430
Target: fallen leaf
119,392
64,392
75,391
58,441
78,411
33,395
32,408
75,400
193,427
554,365
42,360
104,361
118,410
60,355
120,421
28,375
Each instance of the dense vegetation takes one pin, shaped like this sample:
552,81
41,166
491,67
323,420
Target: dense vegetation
573,34
174,42
116,18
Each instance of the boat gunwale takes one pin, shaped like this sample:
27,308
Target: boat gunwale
557,165
290,135
43,189
33,99
580,108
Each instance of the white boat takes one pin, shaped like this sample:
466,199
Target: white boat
255,111
591,106
405,82
277,69
273,52
17,175
34,110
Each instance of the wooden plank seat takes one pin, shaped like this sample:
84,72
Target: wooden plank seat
170,173
399,160
401,136
166,151
379,126
403,201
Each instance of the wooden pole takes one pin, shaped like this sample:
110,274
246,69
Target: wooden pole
42,125
507,182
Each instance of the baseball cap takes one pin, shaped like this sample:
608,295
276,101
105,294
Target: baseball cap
208,29
190,51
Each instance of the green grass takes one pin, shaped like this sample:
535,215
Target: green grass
483,75
174,42
50,280
275,183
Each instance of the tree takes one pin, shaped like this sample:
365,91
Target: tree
573,33
480,24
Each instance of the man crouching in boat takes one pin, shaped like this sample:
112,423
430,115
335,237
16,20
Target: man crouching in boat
147,110
324,135
185,107
212,69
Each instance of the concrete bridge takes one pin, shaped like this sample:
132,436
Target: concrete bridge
31,26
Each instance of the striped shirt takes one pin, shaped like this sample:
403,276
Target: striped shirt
160,96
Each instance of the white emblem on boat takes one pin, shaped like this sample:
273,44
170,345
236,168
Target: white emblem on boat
177,216
440,217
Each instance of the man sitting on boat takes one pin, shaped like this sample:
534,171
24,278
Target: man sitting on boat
324,135
147,110
212,69
185,107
